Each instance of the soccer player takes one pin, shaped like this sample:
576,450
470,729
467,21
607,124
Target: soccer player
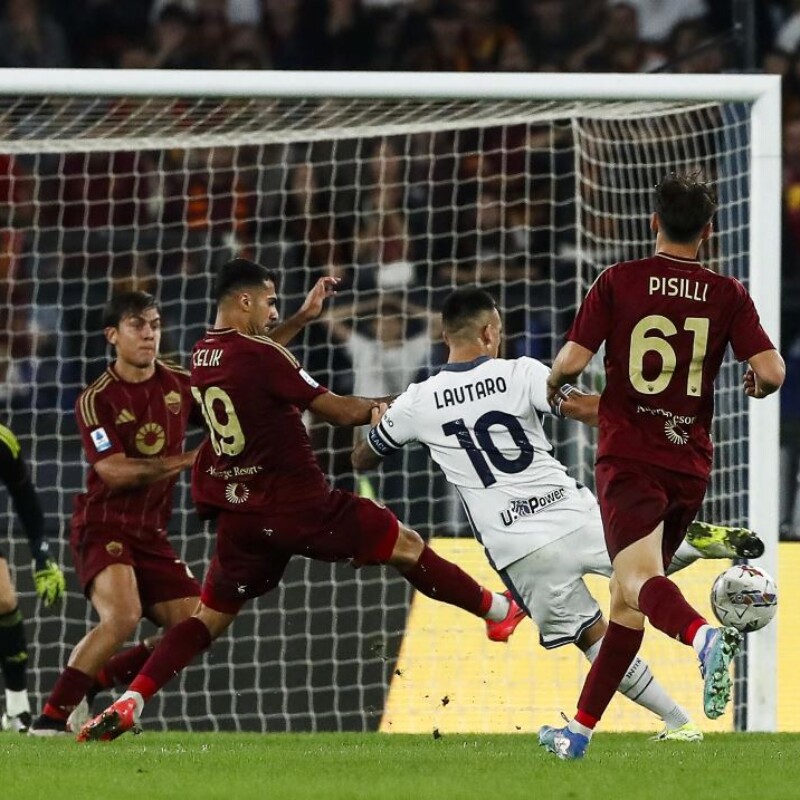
48,580
666,322
480,420
256,473
133,422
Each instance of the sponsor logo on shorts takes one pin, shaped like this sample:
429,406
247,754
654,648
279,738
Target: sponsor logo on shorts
236,493
530,506
100,439
114,549
241,587
150,439
676,426
173,402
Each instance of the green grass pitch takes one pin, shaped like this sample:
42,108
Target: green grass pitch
337,766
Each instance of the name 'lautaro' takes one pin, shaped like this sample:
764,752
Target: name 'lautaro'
678,287
455,395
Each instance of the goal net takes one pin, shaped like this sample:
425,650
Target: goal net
403,198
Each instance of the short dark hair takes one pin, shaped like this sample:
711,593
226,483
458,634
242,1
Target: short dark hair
462,306
240,273
685,205
126,304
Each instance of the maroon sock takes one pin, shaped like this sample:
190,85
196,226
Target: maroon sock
121,668
444,581
174,652
619,648
71,687
661,601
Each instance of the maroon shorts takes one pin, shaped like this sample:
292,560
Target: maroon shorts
635,497
160,574
253,549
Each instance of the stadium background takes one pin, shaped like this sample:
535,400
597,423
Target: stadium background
90,196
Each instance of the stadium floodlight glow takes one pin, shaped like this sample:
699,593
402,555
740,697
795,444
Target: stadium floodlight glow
528,183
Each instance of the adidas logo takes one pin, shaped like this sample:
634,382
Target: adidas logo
125,416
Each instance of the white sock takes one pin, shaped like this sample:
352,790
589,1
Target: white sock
686,554
17,703
498,610
139,702
639,685
699,640
576,727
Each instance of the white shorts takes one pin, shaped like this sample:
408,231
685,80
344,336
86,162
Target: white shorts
549,582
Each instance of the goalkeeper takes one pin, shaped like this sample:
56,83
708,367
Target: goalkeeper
47,576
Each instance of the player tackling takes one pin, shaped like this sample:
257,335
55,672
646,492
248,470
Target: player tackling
257,475
133,422
666,322
480,420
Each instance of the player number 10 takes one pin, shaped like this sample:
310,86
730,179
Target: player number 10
643,342
226,435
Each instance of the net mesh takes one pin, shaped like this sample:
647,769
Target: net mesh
403,200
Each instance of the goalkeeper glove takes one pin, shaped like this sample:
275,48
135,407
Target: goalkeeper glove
49,581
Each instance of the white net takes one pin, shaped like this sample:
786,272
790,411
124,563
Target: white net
404,200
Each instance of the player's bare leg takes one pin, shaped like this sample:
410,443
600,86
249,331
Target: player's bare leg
124,666
639,685
666,608
176,650
442,580
619,648
115,597
13,657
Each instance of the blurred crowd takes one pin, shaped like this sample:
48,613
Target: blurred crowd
384,214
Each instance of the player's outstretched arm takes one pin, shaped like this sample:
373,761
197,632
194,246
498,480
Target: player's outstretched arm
766,374
120,472
570,362
345,411
324,288
363,456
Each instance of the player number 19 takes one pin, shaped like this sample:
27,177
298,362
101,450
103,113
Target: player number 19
226,435
643,341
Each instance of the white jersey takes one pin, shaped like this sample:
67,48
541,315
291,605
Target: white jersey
481,421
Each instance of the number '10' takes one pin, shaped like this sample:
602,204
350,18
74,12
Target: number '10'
475,452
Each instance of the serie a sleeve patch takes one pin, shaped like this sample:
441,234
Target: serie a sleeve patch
100,440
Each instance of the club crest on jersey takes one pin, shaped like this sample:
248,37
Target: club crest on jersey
173,402
236,493
518,508
100,440
150,439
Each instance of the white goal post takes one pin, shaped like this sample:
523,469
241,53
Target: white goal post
49,114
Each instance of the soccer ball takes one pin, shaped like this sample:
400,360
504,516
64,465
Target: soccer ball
744,597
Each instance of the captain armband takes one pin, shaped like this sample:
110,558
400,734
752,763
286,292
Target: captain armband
378,444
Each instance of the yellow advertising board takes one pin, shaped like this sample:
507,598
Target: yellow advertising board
451,678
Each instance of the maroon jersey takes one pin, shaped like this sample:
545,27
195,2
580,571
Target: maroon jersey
666,322
258,454
141,420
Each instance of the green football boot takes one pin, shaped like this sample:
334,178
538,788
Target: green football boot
718,541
